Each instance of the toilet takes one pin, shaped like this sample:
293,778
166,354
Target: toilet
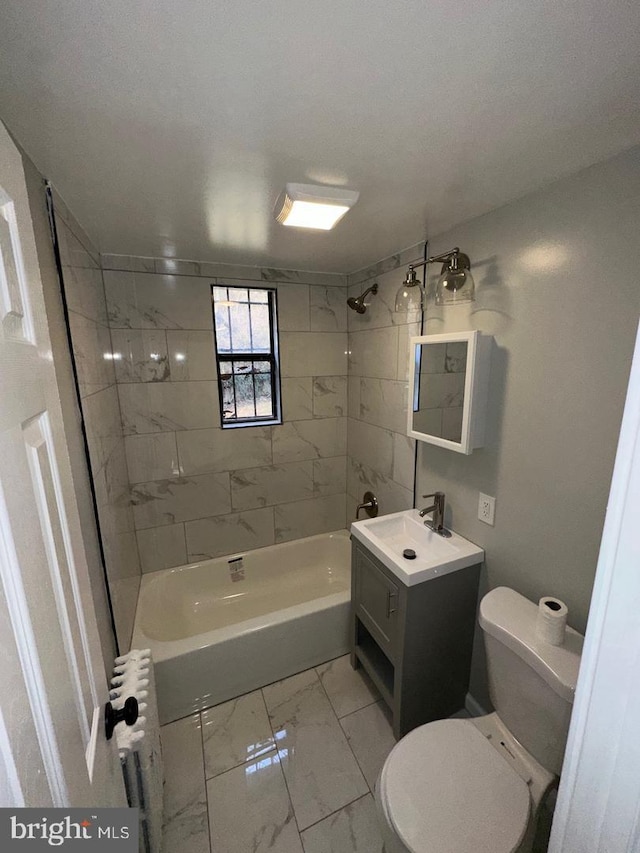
476,786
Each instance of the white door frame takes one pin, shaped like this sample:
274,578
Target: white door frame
598,809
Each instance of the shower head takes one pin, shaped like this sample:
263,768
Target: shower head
357,302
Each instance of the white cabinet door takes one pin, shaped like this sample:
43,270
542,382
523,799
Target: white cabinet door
53,749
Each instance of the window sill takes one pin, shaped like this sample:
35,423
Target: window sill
245,424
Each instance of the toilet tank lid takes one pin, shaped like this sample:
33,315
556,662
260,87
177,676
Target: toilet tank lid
511,619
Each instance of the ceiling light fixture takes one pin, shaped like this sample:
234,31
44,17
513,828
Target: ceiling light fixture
310,206
455,284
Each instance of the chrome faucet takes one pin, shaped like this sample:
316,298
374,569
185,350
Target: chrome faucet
437,519
369,504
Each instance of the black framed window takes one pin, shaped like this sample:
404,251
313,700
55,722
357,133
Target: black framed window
246,342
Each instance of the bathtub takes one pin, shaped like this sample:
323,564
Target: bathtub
226,626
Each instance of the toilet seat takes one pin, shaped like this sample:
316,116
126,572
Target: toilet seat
445,789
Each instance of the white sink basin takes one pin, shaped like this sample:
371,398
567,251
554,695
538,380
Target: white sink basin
387,537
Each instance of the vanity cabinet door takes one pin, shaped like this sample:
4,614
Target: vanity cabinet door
377,600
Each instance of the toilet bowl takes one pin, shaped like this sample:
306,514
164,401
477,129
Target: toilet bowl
473,786
454,786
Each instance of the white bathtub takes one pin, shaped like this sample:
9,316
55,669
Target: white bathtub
217,630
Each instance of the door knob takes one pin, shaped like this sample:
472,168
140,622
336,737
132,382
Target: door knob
127,714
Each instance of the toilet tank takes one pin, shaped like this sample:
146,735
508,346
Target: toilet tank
531,683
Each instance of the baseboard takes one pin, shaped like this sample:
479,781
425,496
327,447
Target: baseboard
473,707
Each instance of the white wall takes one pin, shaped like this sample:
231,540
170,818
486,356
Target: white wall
558,285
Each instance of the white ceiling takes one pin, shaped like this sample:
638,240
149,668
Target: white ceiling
171,127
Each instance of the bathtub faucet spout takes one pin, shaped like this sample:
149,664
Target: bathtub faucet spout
370,504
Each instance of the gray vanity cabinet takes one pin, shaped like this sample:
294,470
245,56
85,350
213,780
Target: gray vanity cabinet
414,642
378,599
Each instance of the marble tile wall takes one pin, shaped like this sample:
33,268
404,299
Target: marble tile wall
198,491
92,351
380,455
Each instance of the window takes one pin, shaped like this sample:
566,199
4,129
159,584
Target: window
246,339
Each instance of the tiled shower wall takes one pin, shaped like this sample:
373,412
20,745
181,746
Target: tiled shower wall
199,491
380,455
91,345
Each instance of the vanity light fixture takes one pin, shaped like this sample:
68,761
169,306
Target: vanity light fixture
410,295
455,284
311,206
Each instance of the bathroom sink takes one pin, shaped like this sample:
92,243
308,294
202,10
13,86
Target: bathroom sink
389,536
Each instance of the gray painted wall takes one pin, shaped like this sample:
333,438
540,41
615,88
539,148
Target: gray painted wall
557,281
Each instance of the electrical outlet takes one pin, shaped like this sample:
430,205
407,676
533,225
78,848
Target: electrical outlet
487,509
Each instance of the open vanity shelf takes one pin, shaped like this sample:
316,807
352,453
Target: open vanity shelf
414,642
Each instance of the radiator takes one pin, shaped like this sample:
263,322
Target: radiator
139,744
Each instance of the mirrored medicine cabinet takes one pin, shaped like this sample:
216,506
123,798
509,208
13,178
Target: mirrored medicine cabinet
448,387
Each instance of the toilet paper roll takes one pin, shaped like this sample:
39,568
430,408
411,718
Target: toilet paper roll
552,620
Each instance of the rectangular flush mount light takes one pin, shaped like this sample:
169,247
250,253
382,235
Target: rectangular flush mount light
310,206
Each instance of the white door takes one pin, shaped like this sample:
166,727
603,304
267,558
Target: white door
53,751
598,807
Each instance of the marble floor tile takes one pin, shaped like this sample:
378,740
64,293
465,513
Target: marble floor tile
348,689
186,828
250,812
236,732
321,772
370,737
354,829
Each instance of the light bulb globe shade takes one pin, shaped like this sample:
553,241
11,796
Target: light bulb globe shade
409,298
454,287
